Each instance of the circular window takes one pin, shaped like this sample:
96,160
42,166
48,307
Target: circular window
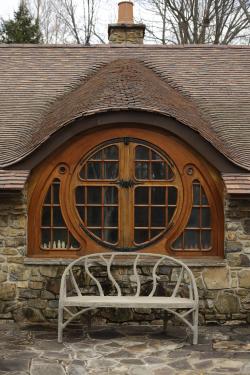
126,193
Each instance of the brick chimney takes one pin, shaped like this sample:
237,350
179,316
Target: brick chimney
125,30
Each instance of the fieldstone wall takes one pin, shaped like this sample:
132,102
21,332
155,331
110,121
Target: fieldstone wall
30,291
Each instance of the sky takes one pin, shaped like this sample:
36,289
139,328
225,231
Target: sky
106,14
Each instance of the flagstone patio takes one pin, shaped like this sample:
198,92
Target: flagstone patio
132,350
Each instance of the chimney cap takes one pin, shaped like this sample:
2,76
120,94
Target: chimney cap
125,12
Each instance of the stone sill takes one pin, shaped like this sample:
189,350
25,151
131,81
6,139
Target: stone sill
195,262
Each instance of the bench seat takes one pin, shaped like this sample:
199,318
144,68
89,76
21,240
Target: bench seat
129,302
95,281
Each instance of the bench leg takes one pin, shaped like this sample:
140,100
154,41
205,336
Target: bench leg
195,326
60,324
165,320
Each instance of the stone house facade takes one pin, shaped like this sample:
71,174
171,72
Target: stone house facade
164,120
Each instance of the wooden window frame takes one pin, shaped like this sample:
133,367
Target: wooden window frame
63,164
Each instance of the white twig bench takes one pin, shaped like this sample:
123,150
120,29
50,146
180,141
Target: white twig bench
82,286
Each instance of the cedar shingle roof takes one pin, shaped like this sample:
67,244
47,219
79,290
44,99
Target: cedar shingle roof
13,180
237,183
42,88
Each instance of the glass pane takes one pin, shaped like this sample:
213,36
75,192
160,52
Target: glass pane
141,153
110,216
60,239
206,239
110,235
80,195
110,153
194,220
205,218
46,217
158,195
171,211
155,232
48,197
158,171
57,217
203,197
196,194
110,170
141,216
94,170
170,173
158,216
81,211
192,239
45,238
141,235
178,243
110,195
97,156
94,195
94,216
155,156
141,170
73,243
141,195
172,195
56,188
97,232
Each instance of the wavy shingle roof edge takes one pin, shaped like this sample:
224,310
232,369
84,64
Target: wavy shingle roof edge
45,87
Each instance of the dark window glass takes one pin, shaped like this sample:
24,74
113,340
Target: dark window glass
155,156
110,195
141,153
57,217
110,235
206,239
45,240
94,195
56,188
73,243
94,216
60,239
194,219
205,218
204,200
46,216
196,194
110,153
48,197
97,232
158,171
94,170
172,195
97,156
178,243
81,211
158,216
158,195
110,170
171,211
80,195
155,232
110,216
141,170
141,216
141,195
192,239
141,235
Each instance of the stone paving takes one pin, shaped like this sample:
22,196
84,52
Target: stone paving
127,349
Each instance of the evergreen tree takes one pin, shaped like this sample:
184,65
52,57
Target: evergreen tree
22,29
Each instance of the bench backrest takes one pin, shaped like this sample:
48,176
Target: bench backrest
174,273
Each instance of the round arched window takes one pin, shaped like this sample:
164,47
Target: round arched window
130,191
